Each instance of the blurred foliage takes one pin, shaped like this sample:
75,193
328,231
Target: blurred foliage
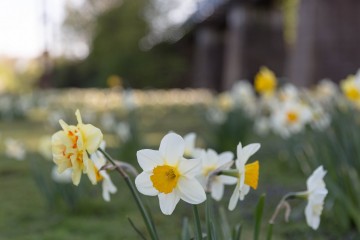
18,76
339,154
115,49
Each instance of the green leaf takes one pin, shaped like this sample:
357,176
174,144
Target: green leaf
185,233
236,235
258,216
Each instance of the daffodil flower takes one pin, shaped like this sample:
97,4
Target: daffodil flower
168,175
316,193
102,176
351,88
71,147
265,81
210,162
248,175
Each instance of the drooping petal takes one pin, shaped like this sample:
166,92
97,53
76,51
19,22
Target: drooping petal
217,190
312,219
149,159
189,167
76,176
91,170
190,190
234,197
144,184
172,148
168,202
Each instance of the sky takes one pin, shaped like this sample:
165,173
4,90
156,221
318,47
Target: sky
22,32
21,26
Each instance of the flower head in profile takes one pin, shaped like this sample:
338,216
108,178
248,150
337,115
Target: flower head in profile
265,81
248,174
210,162
71,147
351,88
168,175
102,176
316,193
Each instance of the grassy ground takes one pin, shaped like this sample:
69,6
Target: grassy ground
28,212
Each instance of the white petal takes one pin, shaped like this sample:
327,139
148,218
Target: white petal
234,197
148,159
225,157
245,153
312,219
244,191
172,147
217,190
212,157
227,179
316,179
189,167
168,202
144,185
190,190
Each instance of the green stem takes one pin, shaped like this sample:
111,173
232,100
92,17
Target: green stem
270,230
208,216
148,222
197,223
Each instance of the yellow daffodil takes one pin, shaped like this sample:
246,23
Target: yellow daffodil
71,147
351,88
168,175
248,175
265,81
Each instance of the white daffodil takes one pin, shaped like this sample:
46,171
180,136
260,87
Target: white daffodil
248,175
107,185
211,161
316,193
123,131
244,97
288,92
15,149
290,117
189,144
168,175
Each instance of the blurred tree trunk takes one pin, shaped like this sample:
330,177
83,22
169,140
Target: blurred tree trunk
328,41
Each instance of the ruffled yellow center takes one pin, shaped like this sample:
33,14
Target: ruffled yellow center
165,178
252,174
292,117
